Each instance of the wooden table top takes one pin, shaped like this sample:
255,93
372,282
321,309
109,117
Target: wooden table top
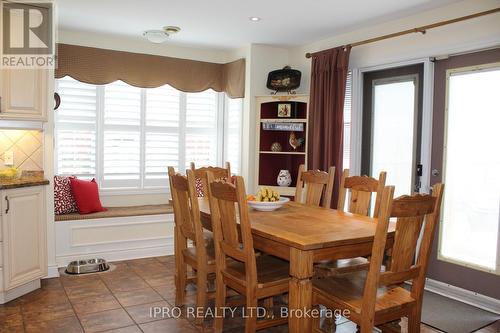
308,228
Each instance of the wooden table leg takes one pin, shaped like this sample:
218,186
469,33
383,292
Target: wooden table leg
299,303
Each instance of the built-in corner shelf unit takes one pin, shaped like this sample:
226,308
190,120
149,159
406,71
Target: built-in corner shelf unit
277,118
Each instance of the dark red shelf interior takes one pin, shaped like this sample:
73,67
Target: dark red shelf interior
267,138
270,165
270,110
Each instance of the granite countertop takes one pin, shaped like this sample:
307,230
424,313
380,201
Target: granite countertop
28,178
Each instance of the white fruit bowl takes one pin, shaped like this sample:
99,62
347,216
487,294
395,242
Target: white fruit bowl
268,206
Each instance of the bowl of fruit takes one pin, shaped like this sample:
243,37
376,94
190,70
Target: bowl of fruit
266,200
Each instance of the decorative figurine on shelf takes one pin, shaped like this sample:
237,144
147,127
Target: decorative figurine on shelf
294,141
284,178
276,147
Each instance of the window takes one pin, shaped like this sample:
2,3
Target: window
470,226
125,137
347,121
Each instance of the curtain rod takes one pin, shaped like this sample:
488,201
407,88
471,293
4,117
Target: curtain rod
422,29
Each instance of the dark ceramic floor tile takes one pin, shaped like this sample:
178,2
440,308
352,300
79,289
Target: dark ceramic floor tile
51,284
12,329
141,262
158,279
44,312
166,259
169,325
166,292
69,281
62,325
93,304
126,284
146,312
10,316
86,290
105,320
129,329
139,296
11,319
44,296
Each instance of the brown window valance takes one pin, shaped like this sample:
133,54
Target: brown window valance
101,66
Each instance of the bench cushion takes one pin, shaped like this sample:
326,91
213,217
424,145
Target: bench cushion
119,212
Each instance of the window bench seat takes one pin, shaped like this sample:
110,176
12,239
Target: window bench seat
119,212
120,233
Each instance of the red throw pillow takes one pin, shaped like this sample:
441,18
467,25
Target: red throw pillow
64,202
86,195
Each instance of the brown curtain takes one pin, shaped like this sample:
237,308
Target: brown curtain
326,116
101,66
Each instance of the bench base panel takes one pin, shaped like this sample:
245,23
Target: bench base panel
115,239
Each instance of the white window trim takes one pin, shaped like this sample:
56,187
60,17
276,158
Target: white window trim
221,132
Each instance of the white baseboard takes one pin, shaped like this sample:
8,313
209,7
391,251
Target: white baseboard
463,295
52,272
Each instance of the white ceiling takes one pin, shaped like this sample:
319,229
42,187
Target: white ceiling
225,23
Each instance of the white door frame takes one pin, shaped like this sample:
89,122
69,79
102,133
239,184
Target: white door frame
427,100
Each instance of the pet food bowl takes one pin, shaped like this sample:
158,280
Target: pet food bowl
84,266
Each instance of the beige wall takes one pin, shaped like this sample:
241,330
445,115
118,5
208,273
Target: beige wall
454,38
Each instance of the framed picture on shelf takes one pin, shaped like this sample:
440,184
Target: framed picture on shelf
284,110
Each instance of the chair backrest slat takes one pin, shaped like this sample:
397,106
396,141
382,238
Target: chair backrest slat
228,206
218,173
361,189
186,208
318,186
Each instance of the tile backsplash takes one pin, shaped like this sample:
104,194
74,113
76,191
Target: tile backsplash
27,146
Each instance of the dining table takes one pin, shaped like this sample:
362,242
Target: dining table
304,235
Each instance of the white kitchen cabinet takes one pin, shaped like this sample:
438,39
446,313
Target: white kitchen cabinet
23,240
24,94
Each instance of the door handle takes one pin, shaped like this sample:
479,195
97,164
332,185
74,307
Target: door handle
435,172
8,205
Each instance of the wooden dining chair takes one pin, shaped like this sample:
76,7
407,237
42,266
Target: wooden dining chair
318,186
255,277
375,298
201,176
360,191
188,227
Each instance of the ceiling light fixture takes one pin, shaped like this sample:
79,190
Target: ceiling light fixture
254,18
160,36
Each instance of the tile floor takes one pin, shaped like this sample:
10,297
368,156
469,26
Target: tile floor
118,301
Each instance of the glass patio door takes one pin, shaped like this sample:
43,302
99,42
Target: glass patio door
391,127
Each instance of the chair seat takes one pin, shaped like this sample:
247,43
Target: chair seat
346,290
190,252
271,271
336,267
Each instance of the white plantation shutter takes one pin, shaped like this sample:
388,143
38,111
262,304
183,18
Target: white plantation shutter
122,136
233,131
347,121
201,128
76,122
126,137
162,134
